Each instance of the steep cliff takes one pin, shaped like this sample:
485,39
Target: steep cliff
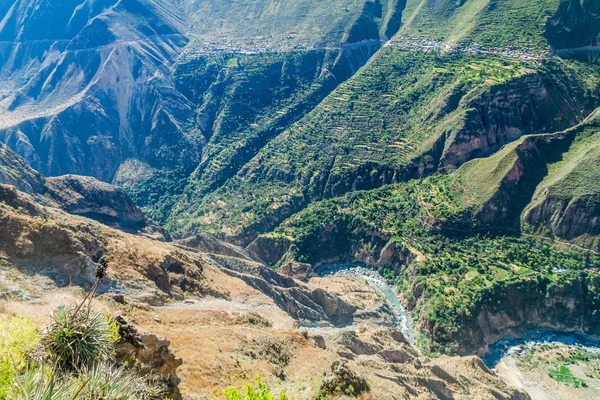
404,116
566,202
575,24
534,103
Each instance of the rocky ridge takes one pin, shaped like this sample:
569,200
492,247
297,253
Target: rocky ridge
77,195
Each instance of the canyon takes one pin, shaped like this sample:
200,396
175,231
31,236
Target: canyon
218,157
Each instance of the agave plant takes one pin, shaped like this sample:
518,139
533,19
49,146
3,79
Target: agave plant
99,382
75,339
107,382
41,383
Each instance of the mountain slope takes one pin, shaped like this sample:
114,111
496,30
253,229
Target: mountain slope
77,195
145,93
452,243
459,157
490,23
190,298
566,202
93,90
403,116
47,256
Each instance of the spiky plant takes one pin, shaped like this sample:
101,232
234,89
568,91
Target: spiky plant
106,382
99,382
40,383
76,340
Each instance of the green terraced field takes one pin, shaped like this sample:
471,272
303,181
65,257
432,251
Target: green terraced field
404,115
503,23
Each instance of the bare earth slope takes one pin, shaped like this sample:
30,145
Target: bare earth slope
44,252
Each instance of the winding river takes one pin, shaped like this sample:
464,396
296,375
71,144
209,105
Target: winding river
498,351
402,317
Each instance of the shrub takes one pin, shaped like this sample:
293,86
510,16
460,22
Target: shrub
76,340
252,392
18,337
100,381
562,373
6,377
343,381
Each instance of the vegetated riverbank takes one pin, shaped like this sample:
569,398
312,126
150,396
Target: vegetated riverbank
499,351
518,347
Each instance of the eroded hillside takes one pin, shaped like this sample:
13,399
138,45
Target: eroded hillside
451,145
196,291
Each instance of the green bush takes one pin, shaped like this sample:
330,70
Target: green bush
77,340
99,382
260,391
6,377
18,336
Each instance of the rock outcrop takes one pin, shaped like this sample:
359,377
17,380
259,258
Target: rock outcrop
294,297
209,244
568,218
89,197
71,247
77,195
150,355
48,242
505,112
385,357
15,171
301,271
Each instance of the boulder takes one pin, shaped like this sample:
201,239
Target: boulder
297,270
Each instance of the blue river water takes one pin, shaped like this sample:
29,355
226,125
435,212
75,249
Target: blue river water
502,348
497,351
402,317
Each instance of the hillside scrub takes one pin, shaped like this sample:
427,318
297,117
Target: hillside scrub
258,391
453,270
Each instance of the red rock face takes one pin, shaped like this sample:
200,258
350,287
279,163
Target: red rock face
567,218
504,113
